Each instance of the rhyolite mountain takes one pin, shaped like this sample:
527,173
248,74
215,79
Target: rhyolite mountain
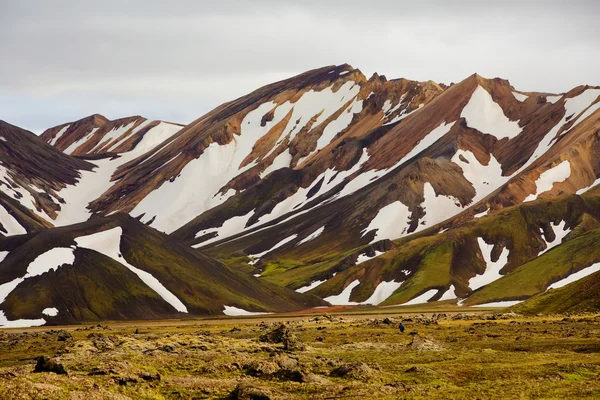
358,190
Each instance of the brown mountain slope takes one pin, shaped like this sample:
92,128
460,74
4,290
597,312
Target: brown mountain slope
31,175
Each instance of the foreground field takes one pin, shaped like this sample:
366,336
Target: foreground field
483,355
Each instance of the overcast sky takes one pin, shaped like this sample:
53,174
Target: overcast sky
176,60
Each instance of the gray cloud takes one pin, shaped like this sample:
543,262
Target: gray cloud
176,60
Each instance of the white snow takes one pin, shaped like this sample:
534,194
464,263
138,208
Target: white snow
49,260
109,243
424,298
437,207
585,189
20,193
58,135
3,255
133,131
312,236
499,304
283,160
364,257
553,99
492,270
560,232
481,214
230,227
382,292
343,299
113,134
76,144
10,224
573,107
307,288
19,323
338,125
256,257
576,276
450,294
423,144
546,181
391,222
239,312
484,178
520,96
51,312
485,115
92,184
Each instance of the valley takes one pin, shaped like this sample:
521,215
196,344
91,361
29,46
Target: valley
445,353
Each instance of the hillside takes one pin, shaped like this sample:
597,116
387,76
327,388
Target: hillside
578,297
116,268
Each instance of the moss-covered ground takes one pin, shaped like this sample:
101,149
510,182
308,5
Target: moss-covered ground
459,356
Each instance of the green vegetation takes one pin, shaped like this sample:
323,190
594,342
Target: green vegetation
460,356
580,296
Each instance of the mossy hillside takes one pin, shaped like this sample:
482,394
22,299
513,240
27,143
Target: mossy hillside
94,288
578,297
535,276
202,284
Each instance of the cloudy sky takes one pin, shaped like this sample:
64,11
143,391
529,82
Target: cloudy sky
63,60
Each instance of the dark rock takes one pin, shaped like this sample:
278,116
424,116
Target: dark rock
148,377
358,371
282,334
245,391
63,336
47,364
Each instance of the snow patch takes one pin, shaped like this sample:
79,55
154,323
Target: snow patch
239,312
424,298
364,257
391,222
343,299
576,276
58,135
560,232
484,178
492,269
549,177
481,214
520,96
307,288
437,207
499,304
553,99
51,312
257,257
382,292
92,184
312,236
230,227
449,294
485,115
585,189
10,224
73,146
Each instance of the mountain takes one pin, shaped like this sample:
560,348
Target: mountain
114,268
32,174
360,190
